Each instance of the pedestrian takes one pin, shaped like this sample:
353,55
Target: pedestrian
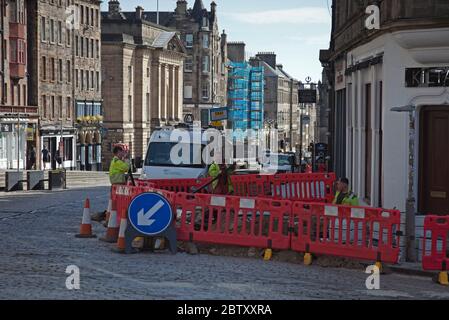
344,196
58,158
45,157
32,158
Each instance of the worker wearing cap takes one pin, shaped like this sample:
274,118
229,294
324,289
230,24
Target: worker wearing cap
344,196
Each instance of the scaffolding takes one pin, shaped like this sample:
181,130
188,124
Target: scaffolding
245,97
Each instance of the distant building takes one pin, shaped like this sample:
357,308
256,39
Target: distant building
16,141
205,73
245,91
142,66
281,100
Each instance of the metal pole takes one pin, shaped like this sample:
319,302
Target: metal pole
157,11
18,142
301,143
410,206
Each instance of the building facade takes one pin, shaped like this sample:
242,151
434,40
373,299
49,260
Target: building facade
18,120
142,66
281,108
205,73
86,54
390,108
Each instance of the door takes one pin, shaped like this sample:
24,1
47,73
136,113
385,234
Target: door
434,161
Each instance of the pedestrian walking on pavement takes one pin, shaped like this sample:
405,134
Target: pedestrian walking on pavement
45,157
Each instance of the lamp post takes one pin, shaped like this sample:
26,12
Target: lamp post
411,201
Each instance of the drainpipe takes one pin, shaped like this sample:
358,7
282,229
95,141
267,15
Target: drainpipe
410,210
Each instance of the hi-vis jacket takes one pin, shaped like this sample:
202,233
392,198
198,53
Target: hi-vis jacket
350,199
117,171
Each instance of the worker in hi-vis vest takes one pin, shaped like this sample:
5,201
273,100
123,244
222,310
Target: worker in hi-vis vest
119,167
344,196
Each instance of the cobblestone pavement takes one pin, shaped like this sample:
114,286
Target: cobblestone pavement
38,243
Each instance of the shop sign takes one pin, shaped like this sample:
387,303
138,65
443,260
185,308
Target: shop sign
427,77
6,127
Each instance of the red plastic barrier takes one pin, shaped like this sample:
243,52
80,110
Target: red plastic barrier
314,187
229,220
436,231
352,232
181,185
250,185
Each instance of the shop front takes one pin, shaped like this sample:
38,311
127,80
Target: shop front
61,147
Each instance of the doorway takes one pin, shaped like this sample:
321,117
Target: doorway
433,161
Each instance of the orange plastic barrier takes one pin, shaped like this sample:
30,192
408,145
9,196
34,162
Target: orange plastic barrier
230,220
251,185
352,232
181,185
436,255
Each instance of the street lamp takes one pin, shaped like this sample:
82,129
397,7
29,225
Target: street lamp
411,201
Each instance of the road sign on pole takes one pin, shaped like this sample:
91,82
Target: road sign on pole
150,214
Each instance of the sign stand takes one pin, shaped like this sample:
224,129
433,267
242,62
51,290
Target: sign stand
150,215
169,234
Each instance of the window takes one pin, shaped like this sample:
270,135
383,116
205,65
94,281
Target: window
188,92
92,17
44,105
60,107
205,22
148,107
52,30
82,79
205,64
205,91
53,111
92,84
44,68
92,48
87,15
69,108
68,36
53,69
148,72
59,32
82,14
77,46
69,71
130,110
43,31
189,40
24,92
130,73
205,40
97,48
87,48
77,78
98,81
87,80
97,13
60,70
188,64
82,46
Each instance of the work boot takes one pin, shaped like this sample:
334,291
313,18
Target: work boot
99,216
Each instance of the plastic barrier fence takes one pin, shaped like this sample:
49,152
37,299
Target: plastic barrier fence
315,187
436,243
352,232
229,220
181,185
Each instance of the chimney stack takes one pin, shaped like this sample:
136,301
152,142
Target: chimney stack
268,57
139,13
181,7
114,7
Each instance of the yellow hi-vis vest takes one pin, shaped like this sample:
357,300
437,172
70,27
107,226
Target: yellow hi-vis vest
117,171
349,200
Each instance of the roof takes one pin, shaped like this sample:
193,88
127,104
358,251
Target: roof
163,39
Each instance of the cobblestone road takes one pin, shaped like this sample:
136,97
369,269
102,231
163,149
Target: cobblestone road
37,244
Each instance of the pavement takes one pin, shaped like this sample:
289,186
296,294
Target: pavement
38,244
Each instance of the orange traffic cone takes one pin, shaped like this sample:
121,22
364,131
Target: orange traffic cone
121,242
113,229
86,225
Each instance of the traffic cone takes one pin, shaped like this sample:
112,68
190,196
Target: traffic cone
113,229
121,242
86,224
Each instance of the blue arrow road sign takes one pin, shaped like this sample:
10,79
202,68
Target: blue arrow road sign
150,213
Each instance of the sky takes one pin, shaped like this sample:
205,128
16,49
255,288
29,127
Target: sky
294,29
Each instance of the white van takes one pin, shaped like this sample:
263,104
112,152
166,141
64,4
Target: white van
158,165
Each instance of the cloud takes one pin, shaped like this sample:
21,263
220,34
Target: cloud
306,15
312,40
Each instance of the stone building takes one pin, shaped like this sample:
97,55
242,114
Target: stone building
86,53
18,120
390,106
51,77
205,73
142,66
281,100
